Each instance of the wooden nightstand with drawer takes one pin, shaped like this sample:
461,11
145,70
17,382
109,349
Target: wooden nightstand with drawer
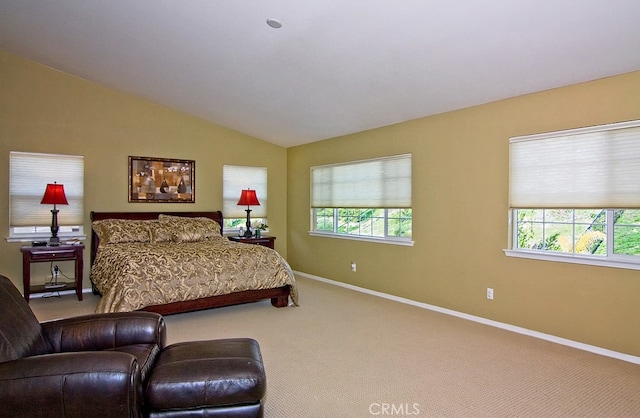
52,254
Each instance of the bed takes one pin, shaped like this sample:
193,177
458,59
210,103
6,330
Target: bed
173,262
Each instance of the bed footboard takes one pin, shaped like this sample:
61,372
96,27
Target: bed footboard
280,295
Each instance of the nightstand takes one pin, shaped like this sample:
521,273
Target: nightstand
265,240
52,254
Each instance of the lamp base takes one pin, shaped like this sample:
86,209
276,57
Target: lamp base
54,241
248,232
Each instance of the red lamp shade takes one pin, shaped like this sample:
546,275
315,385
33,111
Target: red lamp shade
249,198
54,195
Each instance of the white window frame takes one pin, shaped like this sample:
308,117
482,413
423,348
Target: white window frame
64,169
386,185
386,239
619,142
609,260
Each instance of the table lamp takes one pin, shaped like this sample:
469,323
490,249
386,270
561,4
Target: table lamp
54,195
248,198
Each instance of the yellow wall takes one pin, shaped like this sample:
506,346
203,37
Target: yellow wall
460,191
43,110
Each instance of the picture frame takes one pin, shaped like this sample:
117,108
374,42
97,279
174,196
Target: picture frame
161,180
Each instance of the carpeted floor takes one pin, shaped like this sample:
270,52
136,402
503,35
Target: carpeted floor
342,353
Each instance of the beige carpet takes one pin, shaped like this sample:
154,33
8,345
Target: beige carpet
348,354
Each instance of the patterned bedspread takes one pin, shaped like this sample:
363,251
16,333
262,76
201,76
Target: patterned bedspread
131,276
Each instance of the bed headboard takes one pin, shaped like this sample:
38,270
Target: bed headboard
96,216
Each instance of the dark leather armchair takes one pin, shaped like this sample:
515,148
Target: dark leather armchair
87,366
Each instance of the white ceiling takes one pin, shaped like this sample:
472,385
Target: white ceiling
335,66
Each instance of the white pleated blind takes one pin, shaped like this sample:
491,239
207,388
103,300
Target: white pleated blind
376,183
235,178
29,175
595,167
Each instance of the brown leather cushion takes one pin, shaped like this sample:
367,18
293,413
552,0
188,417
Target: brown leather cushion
204,374
20,332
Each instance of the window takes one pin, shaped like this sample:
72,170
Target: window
369,199
579,231
576,194
235,178
29,175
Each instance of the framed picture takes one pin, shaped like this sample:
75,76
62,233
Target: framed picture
161,180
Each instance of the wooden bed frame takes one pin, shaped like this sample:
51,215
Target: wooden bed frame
279,296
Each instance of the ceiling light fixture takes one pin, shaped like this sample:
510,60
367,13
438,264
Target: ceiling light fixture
274,23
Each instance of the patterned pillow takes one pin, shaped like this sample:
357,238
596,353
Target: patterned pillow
161,232
114,231
187,229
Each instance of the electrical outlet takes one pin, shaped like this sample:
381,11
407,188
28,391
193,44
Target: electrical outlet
353,266
489,293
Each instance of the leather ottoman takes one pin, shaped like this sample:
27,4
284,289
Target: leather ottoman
208,378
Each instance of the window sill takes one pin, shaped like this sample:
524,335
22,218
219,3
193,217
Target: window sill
406,243
34,237
576,259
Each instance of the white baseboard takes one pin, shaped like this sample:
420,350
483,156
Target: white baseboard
547,337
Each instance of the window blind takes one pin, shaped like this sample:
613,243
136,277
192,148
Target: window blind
376,183
595,167
29,175
235,178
